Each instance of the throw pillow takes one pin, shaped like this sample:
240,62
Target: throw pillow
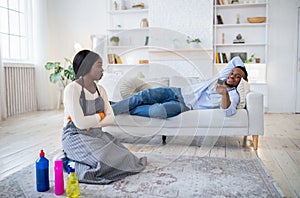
157,82
131,86
243,89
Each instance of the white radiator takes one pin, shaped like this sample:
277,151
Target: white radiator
20,88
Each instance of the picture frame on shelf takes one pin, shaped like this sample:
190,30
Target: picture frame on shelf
242,55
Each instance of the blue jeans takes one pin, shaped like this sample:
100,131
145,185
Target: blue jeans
162,102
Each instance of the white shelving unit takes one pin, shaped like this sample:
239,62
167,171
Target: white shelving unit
254,34
240,25
243,4
125,23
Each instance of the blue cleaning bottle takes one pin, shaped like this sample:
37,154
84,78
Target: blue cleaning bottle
42,173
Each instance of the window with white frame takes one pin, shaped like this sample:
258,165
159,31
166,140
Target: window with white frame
14,29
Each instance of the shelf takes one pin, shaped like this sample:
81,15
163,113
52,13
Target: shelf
128,47
180,50
127,29
242,44
131,11
241,5
241,25
246,64
163,51
127,65
181,54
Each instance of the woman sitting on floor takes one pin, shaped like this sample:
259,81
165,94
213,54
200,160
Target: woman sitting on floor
99,157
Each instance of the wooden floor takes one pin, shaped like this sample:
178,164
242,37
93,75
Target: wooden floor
21,138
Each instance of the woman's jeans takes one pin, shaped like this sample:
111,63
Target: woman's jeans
162,102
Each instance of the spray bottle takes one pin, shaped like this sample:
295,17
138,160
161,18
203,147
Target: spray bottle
42,173
73,189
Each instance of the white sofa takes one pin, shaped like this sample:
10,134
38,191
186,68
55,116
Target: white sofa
248,121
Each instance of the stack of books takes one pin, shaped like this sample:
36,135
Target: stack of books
223,2
221,58
114,59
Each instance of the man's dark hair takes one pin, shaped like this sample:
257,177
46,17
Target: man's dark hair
244,70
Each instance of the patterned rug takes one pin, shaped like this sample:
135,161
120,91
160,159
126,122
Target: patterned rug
167,176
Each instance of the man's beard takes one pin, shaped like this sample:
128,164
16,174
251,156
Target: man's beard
228,85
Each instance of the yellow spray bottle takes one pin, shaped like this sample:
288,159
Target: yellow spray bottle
73,189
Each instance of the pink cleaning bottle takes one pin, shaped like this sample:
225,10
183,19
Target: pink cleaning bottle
58,177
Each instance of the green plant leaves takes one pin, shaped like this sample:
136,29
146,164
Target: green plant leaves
55,77
190,40
59,73
250,60
69,73
51,65
115,38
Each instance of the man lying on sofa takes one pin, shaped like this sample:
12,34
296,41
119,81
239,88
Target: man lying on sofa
164,102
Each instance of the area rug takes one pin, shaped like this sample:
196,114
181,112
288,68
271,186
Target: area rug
167,176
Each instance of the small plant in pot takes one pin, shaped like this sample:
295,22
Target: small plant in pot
195,42
114,40
59,73
190,40
250,60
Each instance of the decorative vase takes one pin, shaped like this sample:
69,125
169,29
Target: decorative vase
144,23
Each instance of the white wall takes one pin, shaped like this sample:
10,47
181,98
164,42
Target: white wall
60,24
193,18
281,75
40,51
74,21
173,22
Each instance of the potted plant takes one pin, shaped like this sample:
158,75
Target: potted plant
60,74
195,41
114,40
250,60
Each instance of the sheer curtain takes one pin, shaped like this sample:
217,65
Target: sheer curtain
3,114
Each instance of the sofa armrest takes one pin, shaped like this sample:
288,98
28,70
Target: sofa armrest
255,106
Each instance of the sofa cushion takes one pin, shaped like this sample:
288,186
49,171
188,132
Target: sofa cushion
213,118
